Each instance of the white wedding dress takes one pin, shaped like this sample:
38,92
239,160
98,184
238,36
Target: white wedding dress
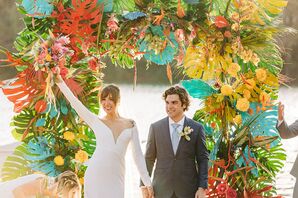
104,177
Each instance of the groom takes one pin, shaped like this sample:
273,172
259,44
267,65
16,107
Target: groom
181,169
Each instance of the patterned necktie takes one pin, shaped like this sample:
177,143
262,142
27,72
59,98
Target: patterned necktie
175,136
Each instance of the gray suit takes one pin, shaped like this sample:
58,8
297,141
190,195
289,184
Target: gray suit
287,132
179,174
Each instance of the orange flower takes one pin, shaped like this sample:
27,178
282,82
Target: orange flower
180,10
242,104
81,156
261,74
250,83
221,22
226,90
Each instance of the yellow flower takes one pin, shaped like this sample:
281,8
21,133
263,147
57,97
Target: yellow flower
226,90
261,74
255,59
242,104
237,119
233,69
81,180
69,136
246,94
81,156
264,97
250,83
58,160
48,57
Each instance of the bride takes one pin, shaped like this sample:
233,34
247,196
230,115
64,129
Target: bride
104,176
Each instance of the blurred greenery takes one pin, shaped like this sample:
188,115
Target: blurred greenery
11,24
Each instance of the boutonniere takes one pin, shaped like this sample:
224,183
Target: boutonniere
186,133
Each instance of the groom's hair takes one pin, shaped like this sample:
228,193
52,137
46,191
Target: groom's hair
181,92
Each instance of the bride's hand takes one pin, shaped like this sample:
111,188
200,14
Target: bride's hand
58,75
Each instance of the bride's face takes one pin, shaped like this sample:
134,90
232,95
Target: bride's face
109,105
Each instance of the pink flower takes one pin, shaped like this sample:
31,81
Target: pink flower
221,188
231,193
112,23
63,40
179,34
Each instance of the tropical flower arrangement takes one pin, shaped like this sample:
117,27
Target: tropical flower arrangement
226,49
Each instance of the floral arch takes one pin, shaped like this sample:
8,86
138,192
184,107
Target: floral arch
226,47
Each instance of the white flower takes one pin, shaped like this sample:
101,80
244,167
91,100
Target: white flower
186,132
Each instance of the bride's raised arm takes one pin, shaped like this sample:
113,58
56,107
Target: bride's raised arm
86,115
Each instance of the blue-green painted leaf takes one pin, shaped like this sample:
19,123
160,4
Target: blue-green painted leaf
40,122
241,163
198,88
108,5
39,149
167,55
134,15
264,123
214,151
53,112
192,1
63,107
38,8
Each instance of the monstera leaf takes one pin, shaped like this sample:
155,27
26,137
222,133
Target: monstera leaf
120,6
38,8
22,123
198,88
89,143
264,122
16,165
41,155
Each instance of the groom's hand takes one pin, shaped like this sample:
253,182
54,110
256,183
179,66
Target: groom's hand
150,191
201,193
145,193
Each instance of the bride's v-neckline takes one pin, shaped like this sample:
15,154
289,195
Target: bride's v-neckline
115,139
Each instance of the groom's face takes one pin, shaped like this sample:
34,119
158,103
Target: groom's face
174,107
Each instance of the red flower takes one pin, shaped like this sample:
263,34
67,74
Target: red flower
40,106
231,193
221,188
92,63
63,71
221,22
213,125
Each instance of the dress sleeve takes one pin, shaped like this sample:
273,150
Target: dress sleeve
139,157
85,114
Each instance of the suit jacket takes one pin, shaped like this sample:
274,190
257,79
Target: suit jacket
181,173
287,132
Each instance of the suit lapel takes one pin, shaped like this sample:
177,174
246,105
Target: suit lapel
167,136
182,139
